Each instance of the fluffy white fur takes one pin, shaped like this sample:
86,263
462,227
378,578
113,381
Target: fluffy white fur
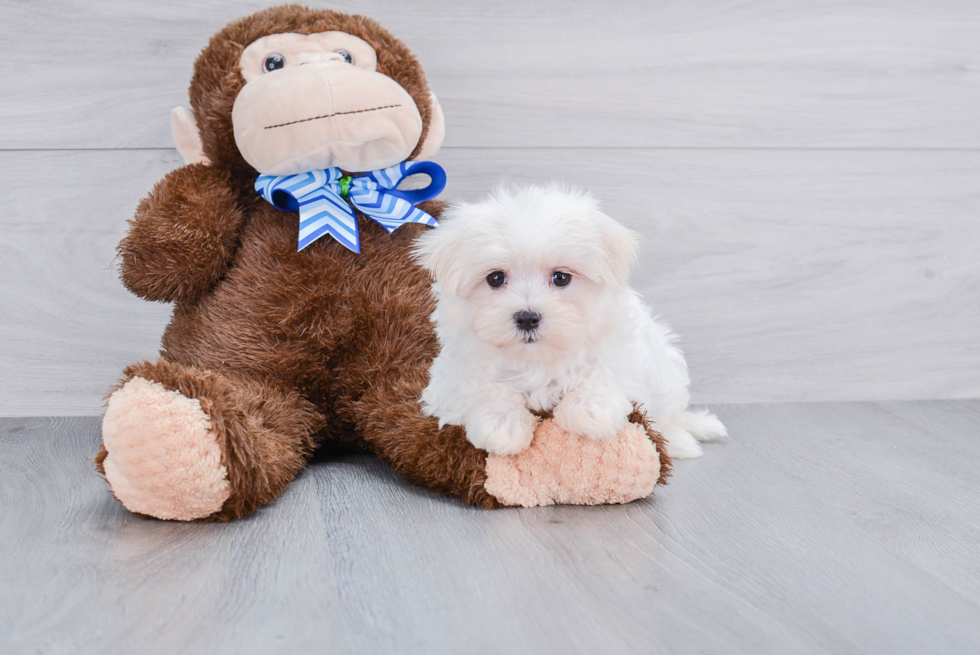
596,350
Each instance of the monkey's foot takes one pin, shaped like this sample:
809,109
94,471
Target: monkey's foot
163,458
564,468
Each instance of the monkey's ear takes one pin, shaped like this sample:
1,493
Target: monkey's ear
186,136
436,133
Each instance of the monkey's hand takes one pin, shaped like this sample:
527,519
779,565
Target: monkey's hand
183,236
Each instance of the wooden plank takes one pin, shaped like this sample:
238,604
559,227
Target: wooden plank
718,73
816,528
68,324
789,276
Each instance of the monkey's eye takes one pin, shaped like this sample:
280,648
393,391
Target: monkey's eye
346,56
497,279
561,278
274,63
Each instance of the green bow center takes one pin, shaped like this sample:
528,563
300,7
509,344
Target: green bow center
344,185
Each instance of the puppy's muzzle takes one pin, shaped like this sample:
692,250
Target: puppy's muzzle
527,321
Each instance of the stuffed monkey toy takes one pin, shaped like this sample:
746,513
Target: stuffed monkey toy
300,318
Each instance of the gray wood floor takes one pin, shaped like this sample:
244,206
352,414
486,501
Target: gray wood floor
820,528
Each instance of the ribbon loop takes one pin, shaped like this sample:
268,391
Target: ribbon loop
319,197
437,182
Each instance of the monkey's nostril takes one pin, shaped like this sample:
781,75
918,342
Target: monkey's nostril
527,321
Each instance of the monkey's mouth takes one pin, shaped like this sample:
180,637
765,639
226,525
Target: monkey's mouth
339,113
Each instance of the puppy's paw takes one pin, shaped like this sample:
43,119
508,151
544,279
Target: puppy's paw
680,443
594,413
502,431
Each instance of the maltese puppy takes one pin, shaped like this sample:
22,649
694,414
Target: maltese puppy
534,314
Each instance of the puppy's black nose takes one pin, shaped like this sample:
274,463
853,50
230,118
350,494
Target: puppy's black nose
527,321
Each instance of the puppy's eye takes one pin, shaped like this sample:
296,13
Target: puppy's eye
273,63
497,279
346,56
561,278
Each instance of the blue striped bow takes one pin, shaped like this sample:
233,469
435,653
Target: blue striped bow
319,197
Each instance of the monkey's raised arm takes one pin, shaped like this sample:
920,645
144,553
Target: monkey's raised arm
183,236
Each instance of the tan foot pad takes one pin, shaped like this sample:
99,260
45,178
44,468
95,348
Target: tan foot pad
164,459
562,468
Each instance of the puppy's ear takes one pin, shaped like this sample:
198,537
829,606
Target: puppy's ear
620,250
437,250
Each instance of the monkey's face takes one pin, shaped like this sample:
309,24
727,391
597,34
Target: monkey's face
318,101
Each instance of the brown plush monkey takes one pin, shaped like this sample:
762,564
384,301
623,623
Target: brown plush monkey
272,350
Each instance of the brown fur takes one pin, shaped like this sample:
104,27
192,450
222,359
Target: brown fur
286,350
186,232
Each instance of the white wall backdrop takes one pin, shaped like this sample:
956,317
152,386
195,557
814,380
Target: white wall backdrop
806,175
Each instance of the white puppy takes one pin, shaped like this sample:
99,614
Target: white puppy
534,312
